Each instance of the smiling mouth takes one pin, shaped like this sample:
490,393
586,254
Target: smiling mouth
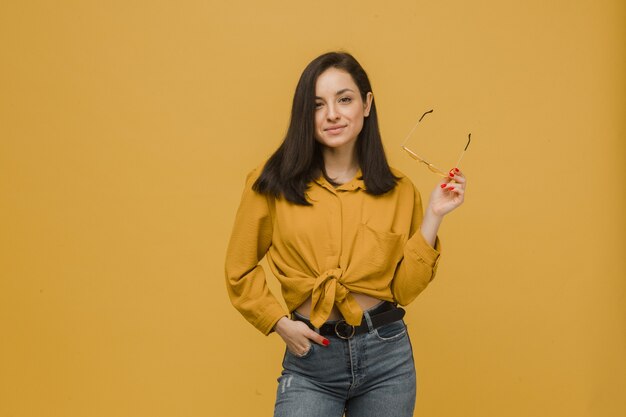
334,129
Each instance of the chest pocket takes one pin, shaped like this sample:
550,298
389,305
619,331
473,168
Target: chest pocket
378,250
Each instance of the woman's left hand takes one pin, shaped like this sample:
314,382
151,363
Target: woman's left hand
449,193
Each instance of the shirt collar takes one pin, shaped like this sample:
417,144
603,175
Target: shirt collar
354,184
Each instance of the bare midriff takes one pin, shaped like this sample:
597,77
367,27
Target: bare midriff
365,301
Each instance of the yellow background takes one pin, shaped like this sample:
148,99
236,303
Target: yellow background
126,131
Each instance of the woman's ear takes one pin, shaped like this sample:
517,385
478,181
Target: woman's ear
368,104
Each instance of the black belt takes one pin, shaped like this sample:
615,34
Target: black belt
383,314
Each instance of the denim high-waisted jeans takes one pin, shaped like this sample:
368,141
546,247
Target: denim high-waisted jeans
369,375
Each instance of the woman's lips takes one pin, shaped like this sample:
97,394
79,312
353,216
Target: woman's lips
333,130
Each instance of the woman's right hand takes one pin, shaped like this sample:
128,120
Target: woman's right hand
298,336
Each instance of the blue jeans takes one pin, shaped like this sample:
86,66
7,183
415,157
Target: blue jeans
369,375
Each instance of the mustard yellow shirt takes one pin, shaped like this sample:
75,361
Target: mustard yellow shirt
347,242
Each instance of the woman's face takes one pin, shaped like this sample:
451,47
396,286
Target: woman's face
339,109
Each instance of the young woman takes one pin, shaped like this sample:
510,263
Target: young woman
348,240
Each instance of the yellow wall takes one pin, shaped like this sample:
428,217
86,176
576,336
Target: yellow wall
126,130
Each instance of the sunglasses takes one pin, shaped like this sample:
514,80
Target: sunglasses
418,158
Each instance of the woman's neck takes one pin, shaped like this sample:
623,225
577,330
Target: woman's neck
341,164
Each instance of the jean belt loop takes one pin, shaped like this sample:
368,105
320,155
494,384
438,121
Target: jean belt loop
366,316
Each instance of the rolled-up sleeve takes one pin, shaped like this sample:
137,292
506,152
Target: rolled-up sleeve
419,264
250,240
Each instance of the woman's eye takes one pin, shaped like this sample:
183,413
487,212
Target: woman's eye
318,105
345,99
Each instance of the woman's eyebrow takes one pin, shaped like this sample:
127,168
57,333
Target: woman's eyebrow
339,92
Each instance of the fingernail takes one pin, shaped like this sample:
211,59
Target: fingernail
326,342
456,169
451,188
452,174
443,185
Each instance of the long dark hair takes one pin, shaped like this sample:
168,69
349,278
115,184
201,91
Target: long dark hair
298,160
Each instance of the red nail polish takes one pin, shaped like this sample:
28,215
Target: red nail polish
451,188
326,342
443,185
452,174
456,169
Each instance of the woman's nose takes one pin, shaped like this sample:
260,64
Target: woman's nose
332,113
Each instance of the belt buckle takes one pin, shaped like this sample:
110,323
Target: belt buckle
344,326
